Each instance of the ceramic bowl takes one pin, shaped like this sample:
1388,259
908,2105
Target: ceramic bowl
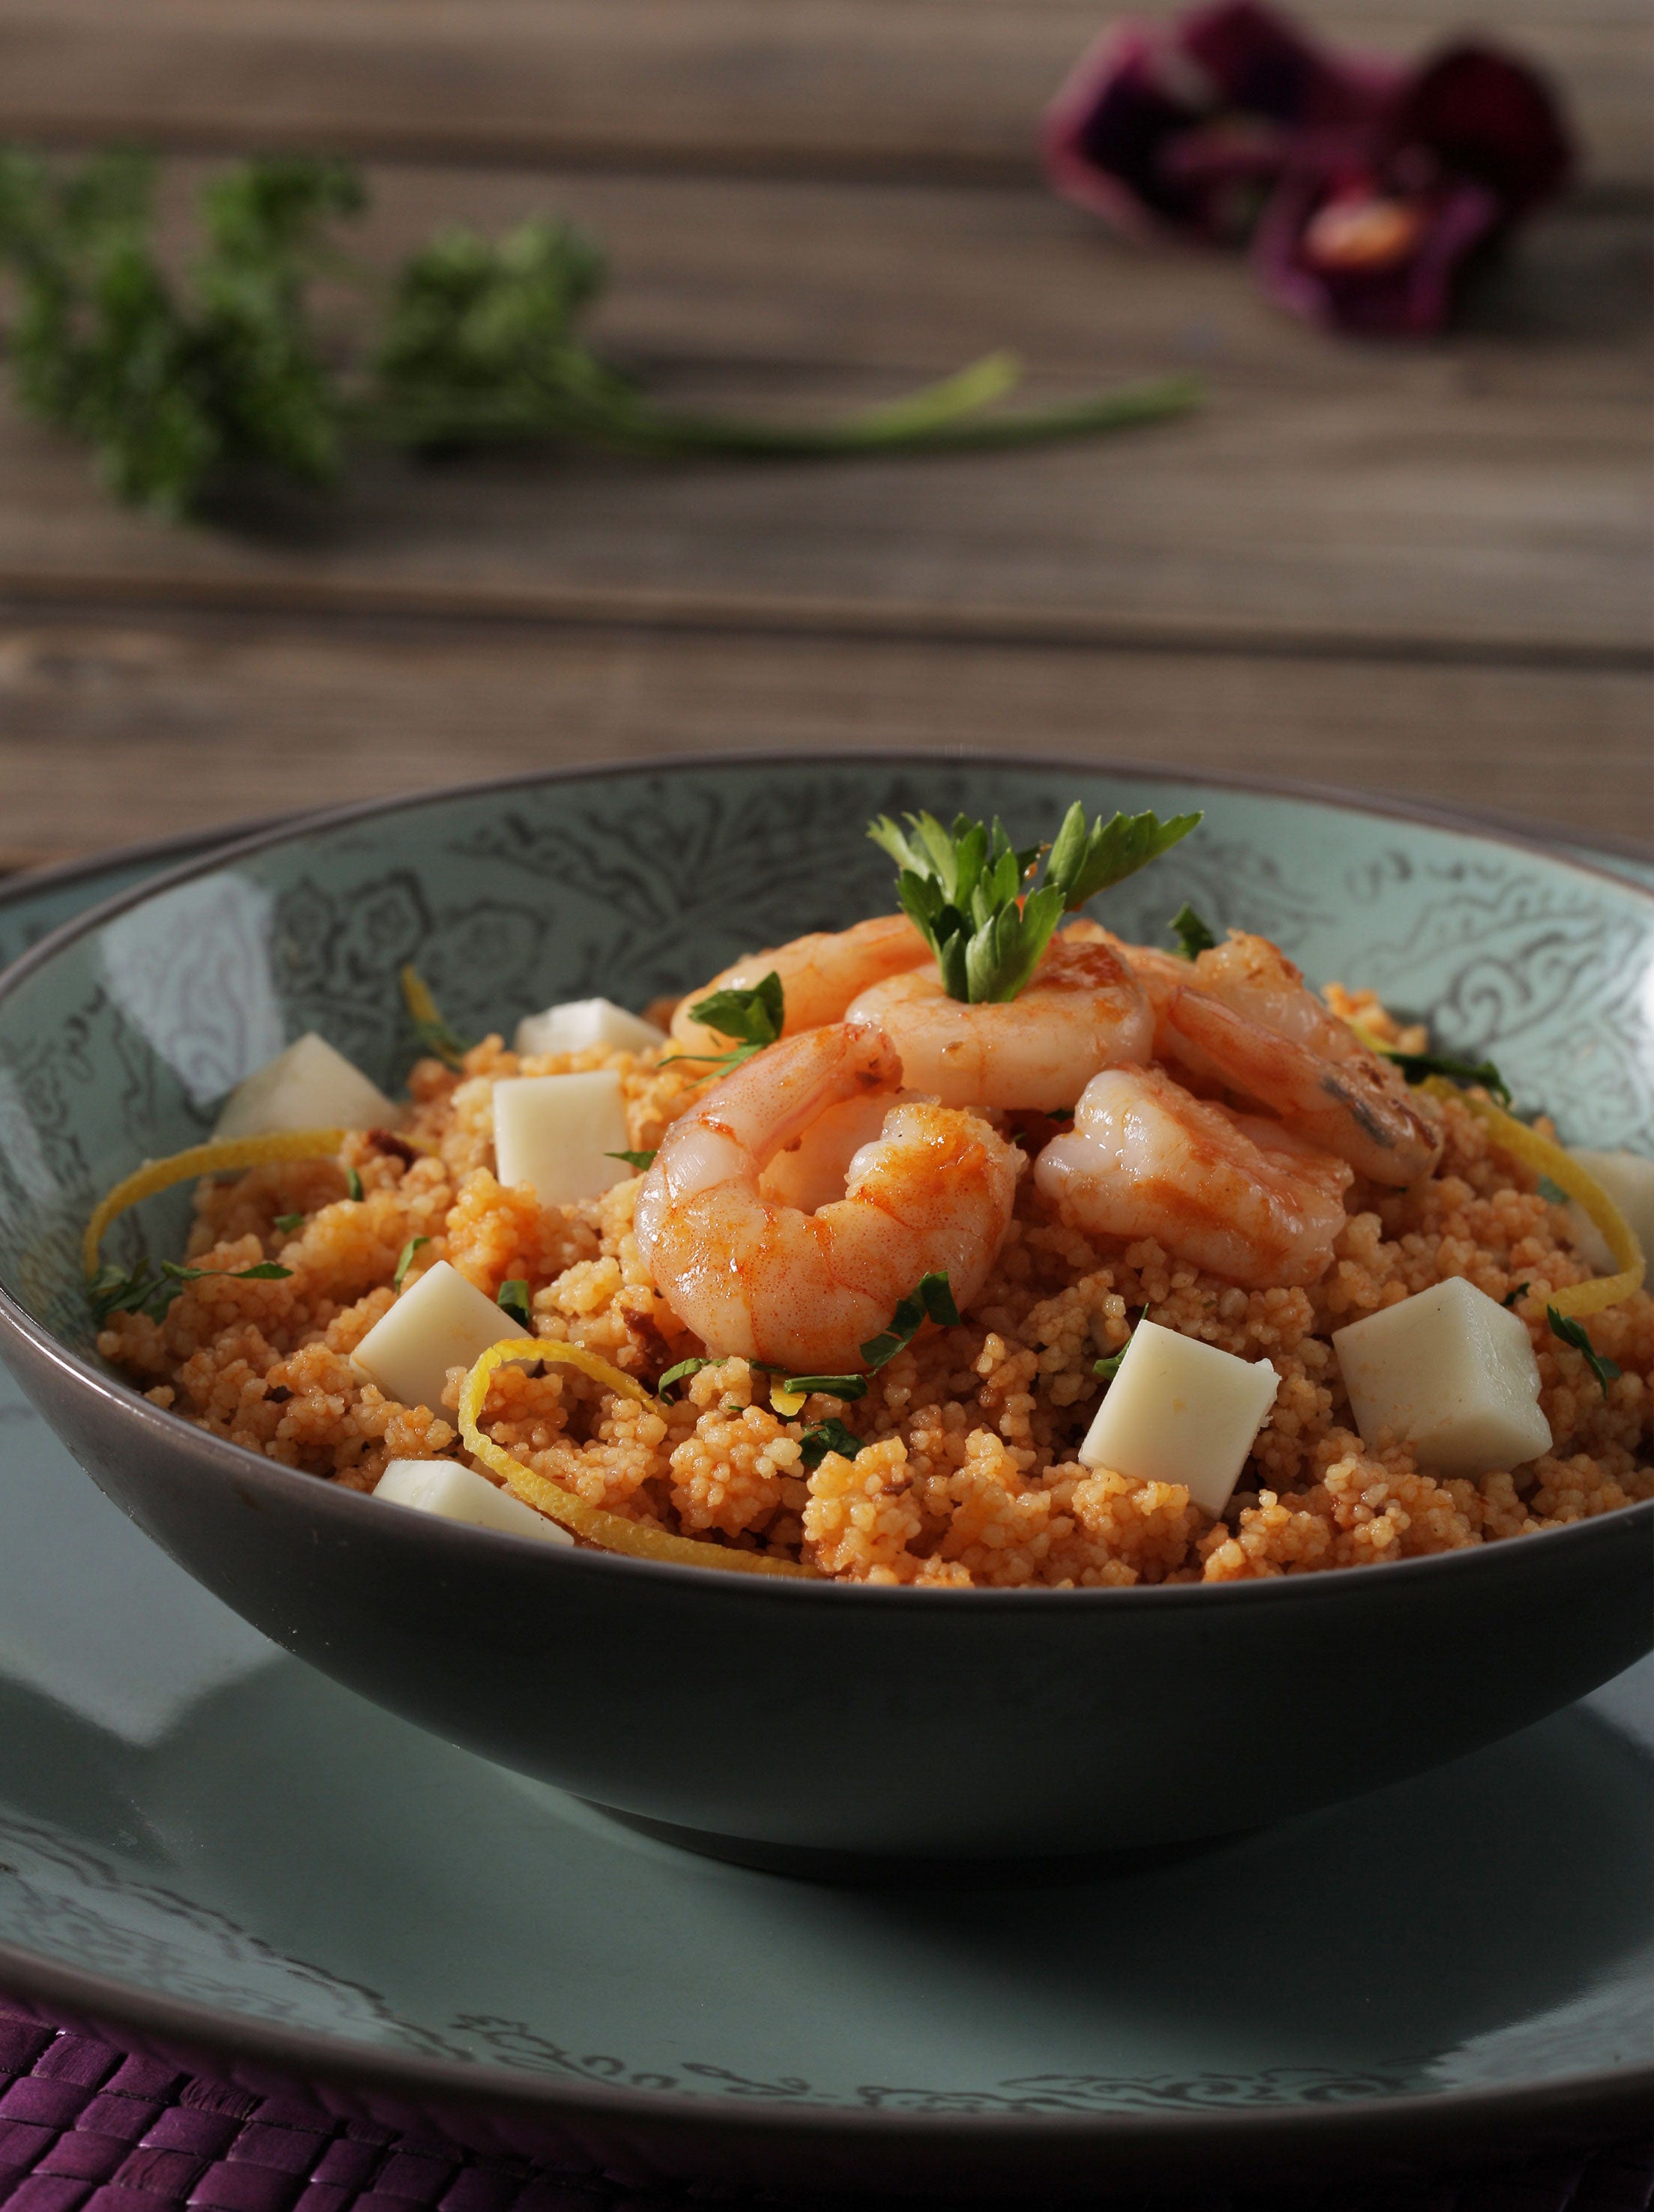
814,1727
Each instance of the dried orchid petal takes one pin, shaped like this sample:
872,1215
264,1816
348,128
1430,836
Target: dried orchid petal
1366,188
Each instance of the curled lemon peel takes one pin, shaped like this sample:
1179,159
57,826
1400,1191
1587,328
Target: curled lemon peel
610,1532
199,1160
1565,1172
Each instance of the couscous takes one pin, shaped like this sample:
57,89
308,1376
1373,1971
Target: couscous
875,1255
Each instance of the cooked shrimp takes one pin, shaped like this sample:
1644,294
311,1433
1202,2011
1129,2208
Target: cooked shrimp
812,1170
1241,1016
820,974
1083,1010
1238,1195
749,1274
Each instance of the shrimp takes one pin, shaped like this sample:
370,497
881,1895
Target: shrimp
1242,1197
1240,1018
753,1276
1083,1009
820,974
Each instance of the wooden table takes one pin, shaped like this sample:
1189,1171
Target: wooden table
1420,570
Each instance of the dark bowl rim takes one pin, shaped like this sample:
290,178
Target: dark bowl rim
286,1484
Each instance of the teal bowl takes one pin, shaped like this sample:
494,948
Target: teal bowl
814,1727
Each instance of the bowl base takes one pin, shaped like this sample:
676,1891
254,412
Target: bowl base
898,1870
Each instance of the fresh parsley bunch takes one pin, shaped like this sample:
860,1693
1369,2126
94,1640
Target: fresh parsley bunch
972,894
177,387
173,387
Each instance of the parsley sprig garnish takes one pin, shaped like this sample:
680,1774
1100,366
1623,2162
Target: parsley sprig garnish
428,1026
1573,1332
972,893
180,385
140,1289
752,1017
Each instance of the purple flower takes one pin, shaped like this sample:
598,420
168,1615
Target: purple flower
1188,126
1365,187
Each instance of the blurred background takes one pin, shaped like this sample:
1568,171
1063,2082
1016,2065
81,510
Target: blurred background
1420,569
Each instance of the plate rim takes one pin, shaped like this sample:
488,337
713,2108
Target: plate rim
1600,2101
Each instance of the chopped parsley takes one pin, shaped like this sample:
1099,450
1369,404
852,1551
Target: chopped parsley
827,1436
511,1297
139,1291
353,1184
972,894
1574,1333
1415,1066
1511,1296
1193,935
682,1372
752,1018
931,1300
405,1261
641,1161
287,1223
428,1026
1108,1367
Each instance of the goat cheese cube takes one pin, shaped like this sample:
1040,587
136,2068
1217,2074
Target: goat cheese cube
1450,1372
1181,1411
308,1086
438,1323
1628,1179
580,1023
454,1492
555,1133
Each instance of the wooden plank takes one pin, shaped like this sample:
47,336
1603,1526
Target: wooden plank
912,87
1484,497
118,730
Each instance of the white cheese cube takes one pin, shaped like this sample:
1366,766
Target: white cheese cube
1449,1373
555,1133
580,1023
308,1086
454,1492
1181,1411
1628,1179
438,1323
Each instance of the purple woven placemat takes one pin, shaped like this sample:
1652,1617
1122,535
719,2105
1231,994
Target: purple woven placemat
85,2127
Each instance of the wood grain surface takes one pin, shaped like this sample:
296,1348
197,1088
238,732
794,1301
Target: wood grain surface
137,726
909,87
1421,570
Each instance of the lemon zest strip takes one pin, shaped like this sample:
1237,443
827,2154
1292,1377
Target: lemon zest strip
611,1532
199,1160
1565,1172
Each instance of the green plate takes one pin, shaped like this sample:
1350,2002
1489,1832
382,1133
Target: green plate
213,1852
